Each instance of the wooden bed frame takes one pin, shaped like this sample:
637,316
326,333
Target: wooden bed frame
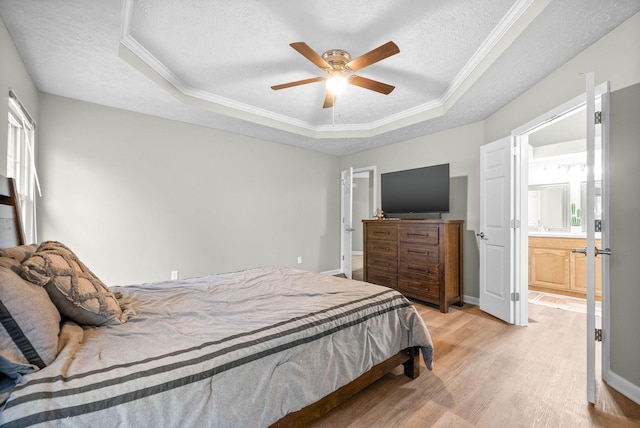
409,357
11,235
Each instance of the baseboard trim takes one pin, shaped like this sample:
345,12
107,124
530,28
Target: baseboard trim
471,300
623,386
357,253
332,272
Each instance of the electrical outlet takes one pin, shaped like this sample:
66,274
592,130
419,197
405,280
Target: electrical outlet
299,259
174,274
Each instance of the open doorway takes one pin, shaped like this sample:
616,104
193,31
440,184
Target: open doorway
558,215
363,196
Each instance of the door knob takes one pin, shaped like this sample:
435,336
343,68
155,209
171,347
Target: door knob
350,229
481,235
606,251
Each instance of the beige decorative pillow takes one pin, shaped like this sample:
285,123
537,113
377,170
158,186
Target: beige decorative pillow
29,324
77,293
19,253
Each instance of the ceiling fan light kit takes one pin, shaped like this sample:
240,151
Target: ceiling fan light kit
336,63
336,82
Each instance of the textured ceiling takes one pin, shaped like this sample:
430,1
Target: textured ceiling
212,63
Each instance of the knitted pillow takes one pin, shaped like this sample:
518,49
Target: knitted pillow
19,253
29,323
77,293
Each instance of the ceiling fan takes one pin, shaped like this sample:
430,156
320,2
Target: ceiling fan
337,63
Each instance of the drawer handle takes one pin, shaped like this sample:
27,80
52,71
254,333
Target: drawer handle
381,264
416,252
419,269
375,232
418,234
382,248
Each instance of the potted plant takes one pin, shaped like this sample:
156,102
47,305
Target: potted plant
576,219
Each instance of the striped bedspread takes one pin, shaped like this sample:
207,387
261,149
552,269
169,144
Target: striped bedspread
233,350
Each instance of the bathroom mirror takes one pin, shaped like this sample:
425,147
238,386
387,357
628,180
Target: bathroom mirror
597,203
548,207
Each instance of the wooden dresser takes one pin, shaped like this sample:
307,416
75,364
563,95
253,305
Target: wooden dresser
420,258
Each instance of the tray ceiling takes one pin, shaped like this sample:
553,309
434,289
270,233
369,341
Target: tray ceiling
213,63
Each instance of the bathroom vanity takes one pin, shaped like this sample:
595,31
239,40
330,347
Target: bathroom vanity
554,268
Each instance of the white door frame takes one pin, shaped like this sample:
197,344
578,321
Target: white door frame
521,134
373,204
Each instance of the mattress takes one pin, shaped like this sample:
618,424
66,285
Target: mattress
237,349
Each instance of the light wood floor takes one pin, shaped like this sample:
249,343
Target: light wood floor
490,374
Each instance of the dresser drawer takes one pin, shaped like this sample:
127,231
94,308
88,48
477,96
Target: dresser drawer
428,271
382,248
387,279
386,232
382,263
419,286
418,252
419,234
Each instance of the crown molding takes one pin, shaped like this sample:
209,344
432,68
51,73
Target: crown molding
514,22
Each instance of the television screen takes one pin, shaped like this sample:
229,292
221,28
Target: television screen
420,190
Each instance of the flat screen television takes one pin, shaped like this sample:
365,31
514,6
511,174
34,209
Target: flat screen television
415,191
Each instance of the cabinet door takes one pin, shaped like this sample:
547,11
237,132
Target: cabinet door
550,268
579,274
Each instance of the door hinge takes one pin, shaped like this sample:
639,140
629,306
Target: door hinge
515,224
598,118
598,335
514,151
515,297
598,225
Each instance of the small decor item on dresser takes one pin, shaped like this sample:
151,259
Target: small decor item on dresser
379,214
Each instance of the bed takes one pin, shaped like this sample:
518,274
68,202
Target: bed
270,346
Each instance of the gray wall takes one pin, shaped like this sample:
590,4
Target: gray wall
611,59
459,147
625,233
14,76
138,196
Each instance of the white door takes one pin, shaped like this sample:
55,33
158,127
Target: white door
346,222
597,207
495,236
591,242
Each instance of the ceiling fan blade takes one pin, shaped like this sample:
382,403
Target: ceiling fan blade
329,99
371,57
373,85
310,54
297,83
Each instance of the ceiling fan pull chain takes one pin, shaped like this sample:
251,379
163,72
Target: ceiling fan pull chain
333,110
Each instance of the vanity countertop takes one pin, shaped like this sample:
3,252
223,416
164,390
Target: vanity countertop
561,235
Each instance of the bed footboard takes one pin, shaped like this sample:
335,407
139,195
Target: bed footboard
409,358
